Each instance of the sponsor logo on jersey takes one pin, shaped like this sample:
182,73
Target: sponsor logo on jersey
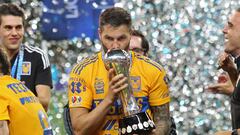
99,85
135,83
27,100
26,68
18,88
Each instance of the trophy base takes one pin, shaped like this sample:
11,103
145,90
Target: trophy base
139,123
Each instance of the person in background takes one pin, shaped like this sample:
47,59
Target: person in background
20,110
28,64
232,47
139,43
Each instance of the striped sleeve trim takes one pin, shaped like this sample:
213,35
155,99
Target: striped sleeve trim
79,67
149,61
44,57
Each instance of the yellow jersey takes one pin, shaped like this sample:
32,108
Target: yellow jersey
22,110
88,85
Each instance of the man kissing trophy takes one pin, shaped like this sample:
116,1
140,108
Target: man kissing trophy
133,121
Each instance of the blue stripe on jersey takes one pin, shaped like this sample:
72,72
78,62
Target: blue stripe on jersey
111,125
116,107
107,124
143,103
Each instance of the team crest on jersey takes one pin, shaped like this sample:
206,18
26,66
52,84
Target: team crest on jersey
99,85
135,83
26,68
76,99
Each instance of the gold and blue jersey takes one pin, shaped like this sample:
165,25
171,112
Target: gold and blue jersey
21,108
88,85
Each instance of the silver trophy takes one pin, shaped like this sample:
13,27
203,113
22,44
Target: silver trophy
133,121
47,130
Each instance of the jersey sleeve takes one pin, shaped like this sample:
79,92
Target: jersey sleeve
159,92
79,94
4,115
43,73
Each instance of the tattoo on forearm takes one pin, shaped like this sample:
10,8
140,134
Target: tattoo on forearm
161,113
161,118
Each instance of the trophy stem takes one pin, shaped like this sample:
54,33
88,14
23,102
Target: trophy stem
124,104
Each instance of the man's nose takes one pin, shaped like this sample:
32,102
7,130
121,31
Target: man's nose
14,32
115,44
225,29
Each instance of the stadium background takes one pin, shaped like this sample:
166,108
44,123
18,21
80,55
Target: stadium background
185,37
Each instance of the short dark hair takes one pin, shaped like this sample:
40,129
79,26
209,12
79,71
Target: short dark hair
11,9
4,63
115,16
144,44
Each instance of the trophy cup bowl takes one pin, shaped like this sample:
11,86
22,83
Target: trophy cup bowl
133,120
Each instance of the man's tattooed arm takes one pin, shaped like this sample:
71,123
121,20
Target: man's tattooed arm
161,118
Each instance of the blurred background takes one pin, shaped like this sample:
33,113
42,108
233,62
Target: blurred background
185,37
